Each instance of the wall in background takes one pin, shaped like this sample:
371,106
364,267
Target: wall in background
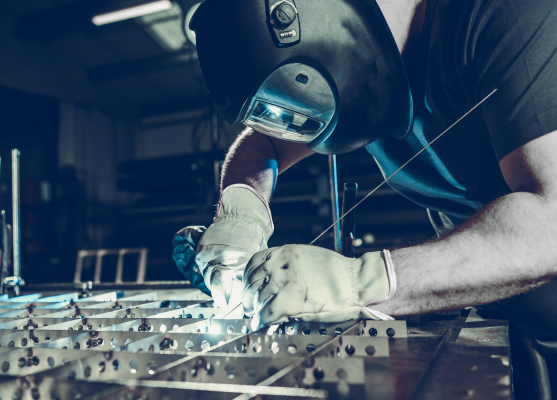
94,143
181,133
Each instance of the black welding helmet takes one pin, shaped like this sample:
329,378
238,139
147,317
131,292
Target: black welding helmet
326,73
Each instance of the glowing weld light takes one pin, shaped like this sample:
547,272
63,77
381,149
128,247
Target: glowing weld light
214,329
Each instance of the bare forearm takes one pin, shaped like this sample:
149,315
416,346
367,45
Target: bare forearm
255,159
251,160
506,249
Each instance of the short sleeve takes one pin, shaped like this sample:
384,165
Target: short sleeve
512,47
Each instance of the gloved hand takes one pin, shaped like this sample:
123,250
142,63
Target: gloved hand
241,228
184,244
315,284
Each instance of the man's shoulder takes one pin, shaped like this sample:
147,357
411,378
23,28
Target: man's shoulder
474,17
472,37
500,16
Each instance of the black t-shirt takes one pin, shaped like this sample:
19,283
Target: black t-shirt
469,48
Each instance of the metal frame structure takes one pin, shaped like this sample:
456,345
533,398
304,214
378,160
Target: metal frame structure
100,254
174,344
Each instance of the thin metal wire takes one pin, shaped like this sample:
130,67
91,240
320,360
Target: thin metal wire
394,173
230,312
404,165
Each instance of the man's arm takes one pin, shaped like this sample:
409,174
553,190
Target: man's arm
507,248
255,159
243,224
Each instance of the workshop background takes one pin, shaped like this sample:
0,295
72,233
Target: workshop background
119,140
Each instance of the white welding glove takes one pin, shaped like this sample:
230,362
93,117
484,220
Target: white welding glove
315,284
241,228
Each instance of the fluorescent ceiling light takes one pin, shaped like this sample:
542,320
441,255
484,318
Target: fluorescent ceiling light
132,12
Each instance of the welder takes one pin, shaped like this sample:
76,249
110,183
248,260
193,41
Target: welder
333,76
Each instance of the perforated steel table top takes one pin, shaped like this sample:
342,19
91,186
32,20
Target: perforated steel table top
166,344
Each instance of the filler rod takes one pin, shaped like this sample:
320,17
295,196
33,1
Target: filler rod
15,218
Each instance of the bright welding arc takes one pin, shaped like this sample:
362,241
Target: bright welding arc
228,313
404,165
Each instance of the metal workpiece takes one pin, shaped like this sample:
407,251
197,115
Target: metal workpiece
110,313
373,328
209,391
70,364
26,387
94,303
154,344
151,285
192,325
215,325
50,388
142,304
24,298
264,359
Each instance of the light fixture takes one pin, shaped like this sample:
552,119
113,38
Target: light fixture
369,238
132,12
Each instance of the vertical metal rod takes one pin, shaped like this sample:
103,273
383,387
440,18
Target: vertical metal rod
4,254
142,265
120,266
4,273
334,201
99,266
349,221
79,265
15,217
215,147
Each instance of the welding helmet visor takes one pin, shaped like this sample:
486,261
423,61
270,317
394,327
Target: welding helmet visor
282,123
294,103
329,75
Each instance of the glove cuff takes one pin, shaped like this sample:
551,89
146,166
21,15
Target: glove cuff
391,275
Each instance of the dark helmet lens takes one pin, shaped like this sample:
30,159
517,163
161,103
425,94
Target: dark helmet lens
283,123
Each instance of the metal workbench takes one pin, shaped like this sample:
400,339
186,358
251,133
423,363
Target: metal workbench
171,343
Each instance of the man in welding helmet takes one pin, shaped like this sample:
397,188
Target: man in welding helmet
332,76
